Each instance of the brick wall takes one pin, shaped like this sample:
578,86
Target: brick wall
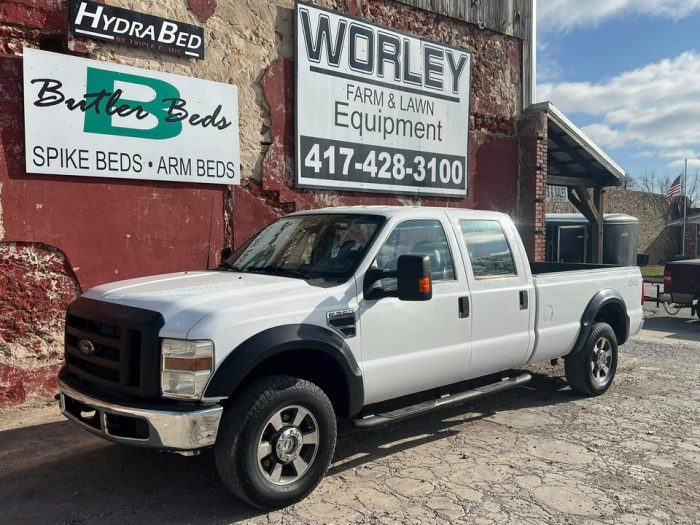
691,238
107,230
532,131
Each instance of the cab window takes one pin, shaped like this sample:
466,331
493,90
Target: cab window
488,248
423,237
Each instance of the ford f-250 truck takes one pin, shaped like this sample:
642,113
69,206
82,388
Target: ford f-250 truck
375,314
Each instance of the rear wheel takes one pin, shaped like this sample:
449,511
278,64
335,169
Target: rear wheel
276,441
591,371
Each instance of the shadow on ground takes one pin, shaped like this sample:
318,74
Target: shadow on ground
681,327
57,473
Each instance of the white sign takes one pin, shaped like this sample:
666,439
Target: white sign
557,194
90,118
378,110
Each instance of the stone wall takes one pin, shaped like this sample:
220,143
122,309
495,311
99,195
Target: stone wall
251,44
657,240
36,285
691,239
96,230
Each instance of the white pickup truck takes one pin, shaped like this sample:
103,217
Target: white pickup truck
374,314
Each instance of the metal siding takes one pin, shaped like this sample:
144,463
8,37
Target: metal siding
509,17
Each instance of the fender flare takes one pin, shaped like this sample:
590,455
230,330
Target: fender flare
600,300
268,343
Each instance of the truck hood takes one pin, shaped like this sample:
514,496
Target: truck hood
186,297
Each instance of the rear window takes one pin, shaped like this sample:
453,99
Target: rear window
488,248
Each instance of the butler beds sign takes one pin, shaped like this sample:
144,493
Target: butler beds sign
90,118
378,110
122,26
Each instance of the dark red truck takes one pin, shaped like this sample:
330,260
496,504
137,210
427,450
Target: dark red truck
682,283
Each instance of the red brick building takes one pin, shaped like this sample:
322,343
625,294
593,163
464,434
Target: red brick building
60,235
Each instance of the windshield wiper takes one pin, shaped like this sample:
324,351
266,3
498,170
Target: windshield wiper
229,266
276,270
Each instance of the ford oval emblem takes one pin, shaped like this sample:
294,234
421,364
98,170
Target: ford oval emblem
86,347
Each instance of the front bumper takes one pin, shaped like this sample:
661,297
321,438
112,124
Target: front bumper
172,428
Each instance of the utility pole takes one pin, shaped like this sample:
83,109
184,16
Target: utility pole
685,201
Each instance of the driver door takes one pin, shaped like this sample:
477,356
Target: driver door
411,346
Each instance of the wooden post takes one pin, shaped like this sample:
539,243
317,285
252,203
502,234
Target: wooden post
594,211
598,228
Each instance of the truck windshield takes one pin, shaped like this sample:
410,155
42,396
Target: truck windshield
314,246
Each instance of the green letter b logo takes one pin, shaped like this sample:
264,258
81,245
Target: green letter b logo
97,120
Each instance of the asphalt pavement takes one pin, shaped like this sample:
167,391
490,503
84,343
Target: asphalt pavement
659,324
531,456
534,455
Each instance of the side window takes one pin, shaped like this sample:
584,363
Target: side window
488,248
425,236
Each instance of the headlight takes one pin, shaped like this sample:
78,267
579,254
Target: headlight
185,367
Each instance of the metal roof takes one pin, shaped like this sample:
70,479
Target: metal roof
693,219
509,17
571,153
578,218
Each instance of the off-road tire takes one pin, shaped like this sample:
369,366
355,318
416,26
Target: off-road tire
246,416
580,366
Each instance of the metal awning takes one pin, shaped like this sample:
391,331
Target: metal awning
692,219
574,159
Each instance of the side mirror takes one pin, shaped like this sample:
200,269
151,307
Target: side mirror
413,278
226,253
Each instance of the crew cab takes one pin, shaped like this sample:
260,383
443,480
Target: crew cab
374,314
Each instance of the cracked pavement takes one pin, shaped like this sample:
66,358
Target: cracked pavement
533,455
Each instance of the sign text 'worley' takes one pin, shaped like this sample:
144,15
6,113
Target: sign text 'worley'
387,55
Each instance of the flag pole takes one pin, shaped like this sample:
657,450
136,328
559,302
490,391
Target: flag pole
685,201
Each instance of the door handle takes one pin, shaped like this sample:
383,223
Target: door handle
463,307
524,300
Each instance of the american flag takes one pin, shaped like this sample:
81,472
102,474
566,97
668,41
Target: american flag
675,190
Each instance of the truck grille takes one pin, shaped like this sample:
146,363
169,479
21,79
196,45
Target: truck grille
113,346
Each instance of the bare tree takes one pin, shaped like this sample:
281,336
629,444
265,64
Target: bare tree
629,182
692,187
648,182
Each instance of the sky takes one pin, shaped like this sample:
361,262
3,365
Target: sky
627,72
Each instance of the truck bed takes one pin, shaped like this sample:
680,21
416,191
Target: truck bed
563,291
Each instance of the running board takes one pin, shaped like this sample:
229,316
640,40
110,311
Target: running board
445,401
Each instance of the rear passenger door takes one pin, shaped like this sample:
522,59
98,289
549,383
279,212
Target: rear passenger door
502,298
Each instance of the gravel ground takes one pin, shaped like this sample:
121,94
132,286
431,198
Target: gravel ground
534,455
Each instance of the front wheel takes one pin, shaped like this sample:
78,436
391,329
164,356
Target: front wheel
591,371
276,441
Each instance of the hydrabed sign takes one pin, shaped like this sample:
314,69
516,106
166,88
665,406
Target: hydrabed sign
90,118
378,110
122,26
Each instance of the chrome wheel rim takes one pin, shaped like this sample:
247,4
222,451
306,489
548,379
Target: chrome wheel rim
601,362
287,445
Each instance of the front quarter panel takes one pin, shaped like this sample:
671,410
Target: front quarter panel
231,326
